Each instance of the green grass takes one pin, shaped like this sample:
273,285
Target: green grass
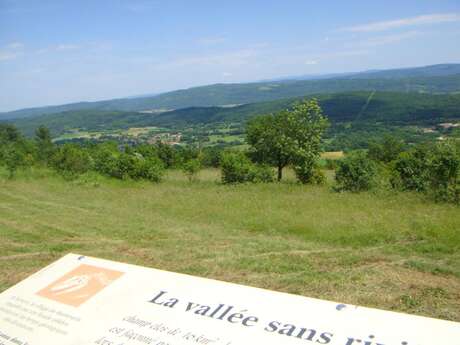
386,250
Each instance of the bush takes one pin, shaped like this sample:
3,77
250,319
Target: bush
387,150
355,173
71,160
13,157
211,157
105,161
237,168
191,168
261,174
309,173
152,169
410,169
136,167
444,172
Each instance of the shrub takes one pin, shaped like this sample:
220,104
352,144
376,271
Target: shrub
410,169
387,150
309,173
45,146
136,167
152,169
70,161
13,157
236,167
261,174
355,173
211,157
105,161
444,172
191,168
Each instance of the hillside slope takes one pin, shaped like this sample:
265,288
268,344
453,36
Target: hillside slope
389,108
432,79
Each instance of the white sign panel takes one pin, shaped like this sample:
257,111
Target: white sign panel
82,300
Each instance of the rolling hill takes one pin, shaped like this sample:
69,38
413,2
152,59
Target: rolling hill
387,108
430,79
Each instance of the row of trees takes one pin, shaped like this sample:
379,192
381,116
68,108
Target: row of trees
290,137
108,158
431,168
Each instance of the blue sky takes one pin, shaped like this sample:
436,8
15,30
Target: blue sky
54,52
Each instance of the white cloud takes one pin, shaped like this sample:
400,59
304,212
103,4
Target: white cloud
11,51
345,53
311,62
236,58
63,47
226,74
4,56
388,39
15,45
211,40
398,23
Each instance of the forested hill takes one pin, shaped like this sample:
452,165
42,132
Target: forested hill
430,79
388,108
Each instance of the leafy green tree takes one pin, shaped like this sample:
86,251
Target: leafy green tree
410,169
9,134
355,173
45,146
387,150
290,136
444,172
237,168
167,154
71,160
191,169
105,158
13,157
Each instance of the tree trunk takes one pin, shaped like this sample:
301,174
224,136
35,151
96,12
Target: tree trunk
280,172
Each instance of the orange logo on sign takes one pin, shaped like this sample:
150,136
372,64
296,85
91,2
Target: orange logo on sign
80,284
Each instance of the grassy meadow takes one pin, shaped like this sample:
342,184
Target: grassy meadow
395,251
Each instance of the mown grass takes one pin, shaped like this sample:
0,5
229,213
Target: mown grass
388,250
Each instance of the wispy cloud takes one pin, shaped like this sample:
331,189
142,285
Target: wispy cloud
211,40
389,39
404,22
15,45
62,47
311,62
11,51
4,56
235,58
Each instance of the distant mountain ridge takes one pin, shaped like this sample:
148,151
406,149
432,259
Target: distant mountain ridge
443,78
389,108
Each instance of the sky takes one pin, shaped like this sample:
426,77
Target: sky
59,51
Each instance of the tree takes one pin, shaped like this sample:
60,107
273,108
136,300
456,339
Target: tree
387,150
355,173
8,134
13,157
444,172
15,151
71,161
291,136
45,146
237,168
191,168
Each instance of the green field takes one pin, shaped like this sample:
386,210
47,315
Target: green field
387,250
